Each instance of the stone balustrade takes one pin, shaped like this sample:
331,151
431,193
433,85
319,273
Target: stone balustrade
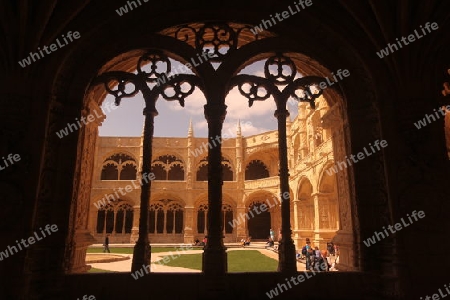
273,181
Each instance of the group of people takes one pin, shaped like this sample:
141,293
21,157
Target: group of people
271,239
319,260
316,259
246,242
202,243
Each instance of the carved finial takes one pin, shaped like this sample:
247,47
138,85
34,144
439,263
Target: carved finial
239,132
191,129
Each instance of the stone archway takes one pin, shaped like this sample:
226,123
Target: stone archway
350,207
259,223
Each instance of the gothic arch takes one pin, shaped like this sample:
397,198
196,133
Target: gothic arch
263,211
202,169
119,166
305,208
327,178
227,215
75,87
328,201
168,167
114,218
64,166
256,169
166,216
114,152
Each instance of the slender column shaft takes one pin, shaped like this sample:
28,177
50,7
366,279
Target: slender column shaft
316,220
141,253
165,222
124,221
287,262
214,256
173,221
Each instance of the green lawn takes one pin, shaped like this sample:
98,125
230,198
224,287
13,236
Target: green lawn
130,250
238,261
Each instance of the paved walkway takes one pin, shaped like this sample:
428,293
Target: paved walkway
125,265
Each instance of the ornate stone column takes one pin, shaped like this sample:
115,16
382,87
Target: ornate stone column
190,160
214,256
189,224
345,236
141,253
241,232
287,262
297,237
165,222
302,129
290,148
82,237
239,160
139,80
318,239
276,74
135,229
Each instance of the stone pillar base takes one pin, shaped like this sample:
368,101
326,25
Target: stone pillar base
298,240
286,257
82,240
347,251
215,261
241,230
188,238
134,235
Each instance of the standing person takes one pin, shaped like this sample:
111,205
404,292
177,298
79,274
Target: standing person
272,234
330,248
106,244
315,255
308,253
322,263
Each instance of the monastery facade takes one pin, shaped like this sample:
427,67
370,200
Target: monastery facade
251,194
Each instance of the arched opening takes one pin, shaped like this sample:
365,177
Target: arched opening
166,221
128,172
306,209
124,218
256,169
226,219
115,219
260,223
119,166
202,170
370,119
202,218
168,167
110,172
159,217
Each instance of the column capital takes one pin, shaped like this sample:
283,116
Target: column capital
95,110
213,111
150,111
284,113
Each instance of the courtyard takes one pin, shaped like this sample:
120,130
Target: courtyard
253,258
